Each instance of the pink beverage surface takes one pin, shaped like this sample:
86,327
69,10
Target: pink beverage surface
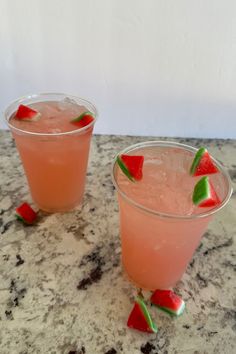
56,165
156,250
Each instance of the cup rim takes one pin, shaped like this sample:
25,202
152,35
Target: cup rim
162,214
43,94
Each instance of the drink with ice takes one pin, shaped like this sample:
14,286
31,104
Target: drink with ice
53,150
160,227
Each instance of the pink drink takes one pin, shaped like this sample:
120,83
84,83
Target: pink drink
54,152
159,225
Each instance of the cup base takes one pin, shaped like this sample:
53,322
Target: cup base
59,210
145,287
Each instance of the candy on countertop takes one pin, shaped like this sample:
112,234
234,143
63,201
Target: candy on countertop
168,301
140,318
26,214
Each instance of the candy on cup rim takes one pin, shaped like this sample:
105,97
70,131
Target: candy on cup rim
131,166
81,116
134,164
124,169
158,213
45,97
27,113
204,194
202,163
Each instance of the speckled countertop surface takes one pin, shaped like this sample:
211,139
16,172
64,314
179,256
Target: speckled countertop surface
62,289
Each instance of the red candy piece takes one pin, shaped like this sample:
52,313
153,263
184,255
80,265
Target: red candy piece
212,200
205,166
26,214
204,194
168,301
84,119
137,320
134,165
202,163
140,319
27,113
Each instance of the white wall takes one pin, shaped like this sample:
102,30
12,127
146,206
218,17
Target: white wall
152,67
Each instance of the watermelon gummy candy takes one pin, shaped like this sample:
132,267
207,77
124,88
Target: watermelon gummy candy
84,119
202,164
27,113
140,318
124,169
168,301
132,166
26,214
204,194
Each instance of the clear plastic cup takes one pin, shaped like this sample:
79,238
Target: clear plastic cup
55,164
157,246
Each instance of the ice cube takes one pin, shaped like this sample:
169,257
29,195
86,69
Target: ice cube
49,110
153,161
67,103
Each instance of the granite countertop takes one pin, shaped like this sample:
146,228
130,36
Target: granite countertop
62,289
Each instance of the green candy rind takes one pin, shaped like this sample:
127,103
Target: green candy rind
124,169
201,190
177,313
20,218
197,159
77,119
147,316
